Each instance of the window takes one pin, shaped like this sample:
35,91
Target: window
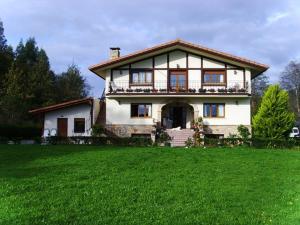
141,77
140,110
214,77
214,110
141,136
79,125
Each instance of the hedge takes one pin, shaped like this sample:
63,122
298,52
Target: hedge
24,132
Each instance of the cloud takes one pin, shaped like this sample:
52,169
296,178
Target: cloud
82,31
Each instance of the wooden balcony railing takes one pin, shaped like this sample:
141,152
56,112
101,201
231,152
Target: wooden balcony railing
194,87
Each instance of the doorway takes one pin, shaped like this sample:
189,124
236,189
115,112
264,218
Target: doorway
62,127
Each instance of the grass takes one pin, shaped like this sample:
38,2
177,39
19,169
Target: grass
110,185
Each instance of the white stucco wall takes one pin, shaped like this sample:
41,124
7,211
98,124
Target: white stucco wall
79,111
237,110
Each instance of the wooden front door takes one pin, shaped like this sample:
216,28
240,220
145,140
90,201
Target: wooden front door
178,81
62,127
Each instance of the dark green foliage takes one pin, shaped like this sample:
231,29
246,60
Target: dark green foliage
273,119
243,131
97,130
15,131
115,141
125,185
71,85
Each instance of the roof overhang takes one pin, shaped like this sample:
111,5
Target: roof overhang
255,67
88,101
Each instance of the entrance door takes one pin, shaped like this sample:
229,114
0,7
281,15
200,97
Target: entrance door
177,116
62,127
178,81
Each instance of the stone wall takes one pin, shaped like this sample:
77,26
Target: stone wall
223,129
126,130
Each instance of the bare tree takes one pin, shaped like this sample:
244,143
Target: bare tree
290,80
258,86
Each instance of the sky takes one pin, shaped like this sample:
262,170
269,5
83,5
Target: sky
82,31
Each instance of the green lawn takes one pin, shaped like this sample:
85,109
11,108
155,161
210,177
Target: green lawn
105,185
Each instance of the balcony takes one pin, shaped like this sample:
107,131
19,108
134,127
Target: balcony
192,88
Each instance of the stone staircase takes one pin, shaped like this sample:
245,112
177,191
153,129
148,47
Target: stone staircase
180,136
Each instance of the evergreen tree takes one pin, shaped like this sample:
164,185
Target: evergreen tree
6,57
71,85
273,119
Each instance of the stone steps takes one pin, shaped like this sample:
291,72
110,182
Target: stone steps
179,137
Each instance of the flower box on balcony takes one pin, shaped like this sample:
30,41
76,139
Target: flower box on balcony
192,90
202,90
222,90
154,90
231,90
242,90
147,90
138,90
162,90
211,90
129,90
120,90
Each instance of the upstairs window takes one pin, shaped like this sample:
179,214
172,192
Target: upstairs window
142,77
141,110
214,110
214,77
79,125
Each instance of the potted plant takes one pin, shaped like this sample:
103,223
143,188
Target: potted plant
192,90
154,90
129,90
147,90
231,90
211,90
138,90
242,90
162,90
202,90
222,90
120,90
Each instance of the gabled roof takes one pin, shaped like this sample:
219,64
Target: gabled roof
62,105
178,42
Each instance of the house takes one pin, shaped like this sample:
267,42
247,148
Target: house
171,84
72,118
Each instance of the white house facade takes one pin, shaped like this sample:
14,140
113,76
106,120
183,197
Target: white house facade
172,84
72,118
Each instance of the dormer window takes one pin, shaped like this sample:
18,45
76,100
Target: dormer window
214,77
141,77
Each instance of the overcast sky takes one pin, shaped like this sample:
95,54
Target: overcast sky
82,31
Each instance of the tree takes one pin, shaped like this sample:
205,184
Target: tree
6,58
71,85
258,85
290,80
273,119
28,84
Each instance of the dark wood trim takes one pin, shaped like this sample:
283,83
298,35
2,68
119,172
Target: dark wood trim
168,61
140,117
92,114
111,75
176,93
178,71
206,103
244,78
187,60
78,119
214,84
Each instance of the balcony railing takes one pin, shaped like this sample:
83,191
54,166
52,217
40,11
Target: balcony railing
193,87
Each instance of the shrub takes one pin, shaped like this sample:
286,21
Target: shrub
243,131
97,130
17,131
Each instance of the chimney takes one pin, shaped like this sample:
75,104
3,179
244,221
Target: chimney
114,53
